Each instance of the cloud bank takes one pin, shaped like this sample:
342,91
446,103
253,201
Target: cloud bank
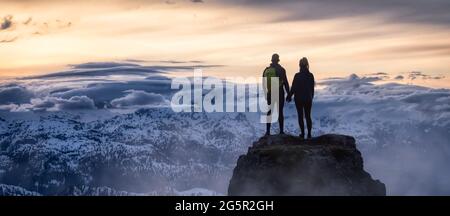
402,130
95,85
58,104
14,93
138,98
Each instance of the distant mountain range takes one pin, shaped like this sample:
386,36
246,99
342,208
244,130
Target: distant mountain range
155,151
149,151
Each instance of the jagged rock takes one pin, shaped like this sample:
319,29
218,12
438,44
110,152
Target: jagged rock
286,165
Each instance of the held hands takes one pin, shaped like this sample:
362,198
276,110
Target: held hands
288,99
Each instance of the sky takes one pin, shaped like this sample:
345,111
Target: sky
394,37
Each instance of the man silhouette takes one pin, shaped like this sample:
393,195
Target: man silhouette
276,70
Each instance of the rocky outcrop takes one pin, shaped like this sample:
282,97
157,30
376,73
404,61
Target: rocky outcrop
286,165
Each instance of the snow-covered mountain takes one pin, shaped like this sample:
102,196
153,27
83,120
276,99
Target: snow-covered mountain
140,152
83,133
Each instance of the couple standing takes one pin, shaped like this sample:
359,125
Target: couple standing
302,89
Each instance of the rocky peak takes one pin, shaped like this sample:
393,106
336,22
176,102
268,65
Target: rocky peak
287,165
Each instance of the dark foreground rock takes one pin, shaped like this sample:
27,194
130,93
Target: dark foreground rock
286,165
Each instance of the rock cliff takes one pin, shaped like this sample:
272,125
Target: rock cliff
286,165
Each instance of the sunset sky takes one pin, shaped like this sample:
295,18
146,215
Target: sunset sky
339,37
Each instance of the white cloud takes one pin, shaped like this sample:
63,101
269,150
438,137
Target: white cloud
53,104
74,103
14,93
138,98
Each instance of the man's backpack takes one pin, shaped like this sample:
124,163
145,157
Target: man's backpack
270,72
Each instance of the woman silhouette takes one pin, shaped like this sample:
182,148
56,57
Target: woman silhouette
303,91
